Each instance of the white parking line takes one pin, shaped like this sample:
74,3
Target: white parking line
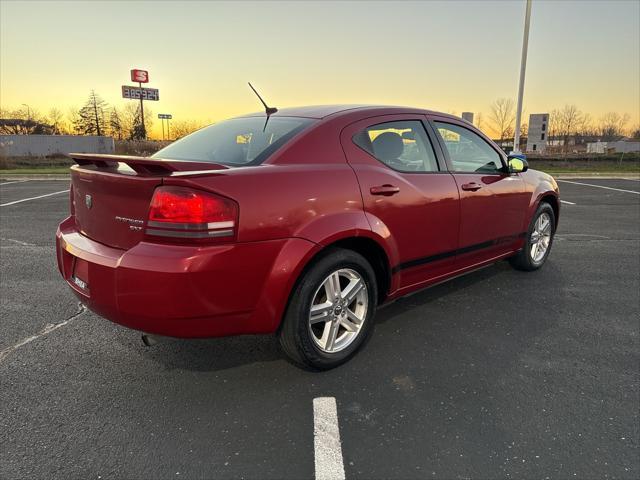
46,330
15,181
600,186
568,203
33,198
326,440
18,242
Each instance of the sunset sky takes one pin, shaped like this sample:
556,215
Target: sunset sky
449,56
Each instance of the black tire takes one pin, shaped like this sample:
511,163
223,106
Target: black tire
295,334
523,259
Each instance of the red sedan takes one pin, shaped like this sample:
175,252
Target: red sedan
299,223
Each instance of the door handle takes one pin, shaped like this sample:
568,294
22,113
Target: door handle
473,186
386,190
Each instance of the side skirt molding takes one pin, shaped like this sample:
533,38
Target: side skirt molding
470,248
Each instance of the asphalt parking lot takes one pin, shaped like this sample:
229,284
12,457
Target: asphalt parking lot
498,374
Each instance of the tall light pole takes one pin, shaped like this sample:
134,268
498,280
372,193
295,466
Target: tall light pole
144,128
28,115
28,111
523,66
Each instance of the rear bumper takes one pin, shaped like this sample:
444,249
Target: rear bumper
184,291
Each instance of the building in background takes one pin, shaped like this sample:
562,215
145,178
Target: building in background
624,145
538,132
597,147
468,116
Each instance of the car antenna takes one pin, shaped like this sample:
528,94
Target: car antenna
267,109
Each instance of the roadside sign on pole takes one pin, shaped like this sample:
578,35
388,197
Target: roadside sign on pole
137,93
140,93
165,116
140,76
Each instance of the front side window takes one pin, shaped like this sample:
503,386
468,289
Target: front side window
235,142
403,145
468,152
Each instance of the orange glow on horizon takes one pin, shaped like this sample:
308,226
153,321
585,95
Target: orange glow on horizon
451,56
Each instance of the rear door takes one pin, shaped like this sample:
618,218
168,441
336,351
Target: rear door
408,196
492,201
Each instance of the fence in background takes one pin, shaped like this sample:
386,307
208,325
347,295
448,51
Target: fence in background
45,145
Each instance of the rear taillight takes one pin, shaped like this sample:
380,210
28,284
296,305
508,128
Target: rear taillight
184,213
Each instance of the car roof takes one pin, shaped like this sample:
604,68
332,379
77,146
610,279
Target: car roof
323,111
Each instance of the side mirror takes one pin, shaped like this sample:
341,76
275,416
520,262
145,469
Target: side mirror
517,164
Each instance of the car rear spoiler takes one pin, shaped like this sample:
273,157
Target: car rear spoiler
143,165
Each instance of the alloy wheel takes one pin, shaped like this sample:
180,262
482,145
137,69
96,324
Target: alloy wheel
540,238
338,310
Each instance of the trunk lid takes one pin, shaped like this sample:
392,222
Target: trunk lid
112,194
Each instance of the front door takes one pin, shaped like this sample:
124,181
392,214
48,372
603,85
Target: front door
492,201
409,198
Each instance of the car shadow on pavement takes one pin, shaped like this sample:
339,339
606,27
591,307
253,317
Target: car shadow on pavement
225,353
214,354
439,291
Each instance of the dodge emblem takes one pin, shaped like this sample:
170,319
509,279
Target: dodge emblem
88,201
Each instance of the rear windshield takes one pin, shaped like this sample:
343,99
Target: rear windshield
239,141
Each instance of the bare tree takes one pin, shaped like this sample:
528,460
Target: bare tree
132,123
612,125
56,119
585,125
8,126
479,121
502,117
73,119
116,124
635,132
568,120
140,130
553,126
128,118
22,121
183,128
91,117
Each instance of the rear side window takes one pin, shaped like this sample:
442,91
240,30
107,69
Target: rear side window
468,151
235,142
403,145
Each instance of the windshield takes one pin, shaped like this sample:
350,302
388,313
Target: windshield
239,141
